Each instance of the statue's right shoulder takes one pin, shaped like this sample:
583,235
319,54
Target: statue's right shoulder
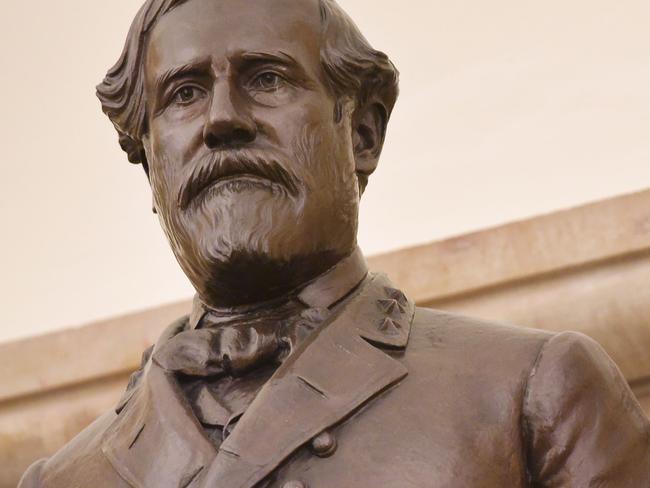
76,463
32,477
82,461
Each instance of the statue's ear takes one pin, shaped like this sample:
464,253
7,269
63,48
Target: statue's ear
368,132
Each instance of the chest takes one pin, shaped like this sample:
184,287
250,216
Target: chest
396,444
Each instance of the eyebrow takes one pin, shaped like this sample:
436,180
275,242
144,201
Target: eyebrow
300,74
277,56
198,68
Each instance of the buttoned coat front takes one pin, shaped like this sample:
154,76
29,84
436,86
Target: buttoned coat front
384,395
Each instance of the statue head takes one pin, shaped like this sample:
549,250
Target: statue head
258,124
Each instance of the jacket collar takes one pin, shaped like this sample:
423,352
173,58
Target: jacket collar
157,442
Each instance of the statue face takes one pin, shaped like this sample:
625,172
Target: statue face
251,171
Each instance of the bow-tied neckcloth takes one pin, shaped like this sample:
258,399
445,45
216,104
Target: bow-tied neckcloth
223,361
221,367
237,346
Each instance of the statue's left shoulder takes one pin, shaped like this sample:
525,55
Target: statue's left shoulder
584,426
505,348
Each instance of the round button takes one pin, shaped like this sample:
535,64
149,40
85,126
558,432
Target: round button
324,444
294,484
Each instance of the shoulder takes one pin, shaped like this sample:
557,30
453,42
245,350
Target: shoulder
32,477
82,460
473,361
467,375
476,339
572,369
578,398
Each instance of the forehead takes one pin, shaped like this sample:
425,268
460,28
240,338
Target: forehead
219,29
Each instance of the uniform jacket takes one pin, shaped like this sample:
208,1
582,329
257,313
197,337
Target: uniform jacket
384,395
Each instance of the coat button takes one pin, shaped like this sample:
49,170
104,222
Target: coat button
294,484
324,444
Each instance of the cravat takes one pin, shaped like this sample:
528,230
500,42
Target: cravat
221,365
237,347
225,350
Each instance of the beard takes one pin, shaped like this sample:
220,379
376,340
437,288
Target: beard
246,240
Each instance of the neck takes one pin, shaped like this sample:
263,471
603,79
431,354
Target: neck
252,282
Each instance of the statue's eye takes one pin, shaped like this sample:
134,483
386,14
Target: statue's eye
271,88
186,94
268,81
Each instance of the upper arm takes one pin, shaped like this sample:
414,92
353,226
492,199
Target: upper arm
583,425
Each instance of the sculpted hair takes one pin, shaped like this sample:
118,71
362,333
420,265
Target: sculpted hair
351,66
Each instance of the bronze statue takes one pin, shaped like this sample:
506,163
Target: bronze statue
258,123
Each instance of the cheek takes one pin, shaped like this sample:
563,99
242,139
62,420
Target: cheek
176,140
290,121
170,149
159,179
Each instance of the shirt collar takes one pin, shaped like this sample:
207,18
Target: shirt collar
324,291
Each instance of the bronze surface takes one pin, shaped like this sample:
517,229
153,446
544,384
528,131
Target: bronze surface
258,124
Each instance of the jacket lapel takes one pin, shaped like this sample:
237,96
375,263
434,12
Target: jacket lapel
334,373
156,441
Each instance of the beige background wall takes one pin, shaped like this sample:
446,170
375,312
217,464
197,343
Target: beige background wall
509,108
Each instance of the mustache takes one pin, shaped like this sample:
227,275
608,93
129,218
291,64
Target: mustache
224,164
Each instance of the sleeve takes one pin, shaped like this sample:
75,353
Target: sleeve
583,425
32,477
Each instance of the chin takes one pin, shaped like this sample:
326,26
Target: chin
281,242
251,264
255,220
239,262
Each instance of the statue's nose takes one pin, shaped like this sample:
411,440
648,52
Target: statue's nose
228,122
